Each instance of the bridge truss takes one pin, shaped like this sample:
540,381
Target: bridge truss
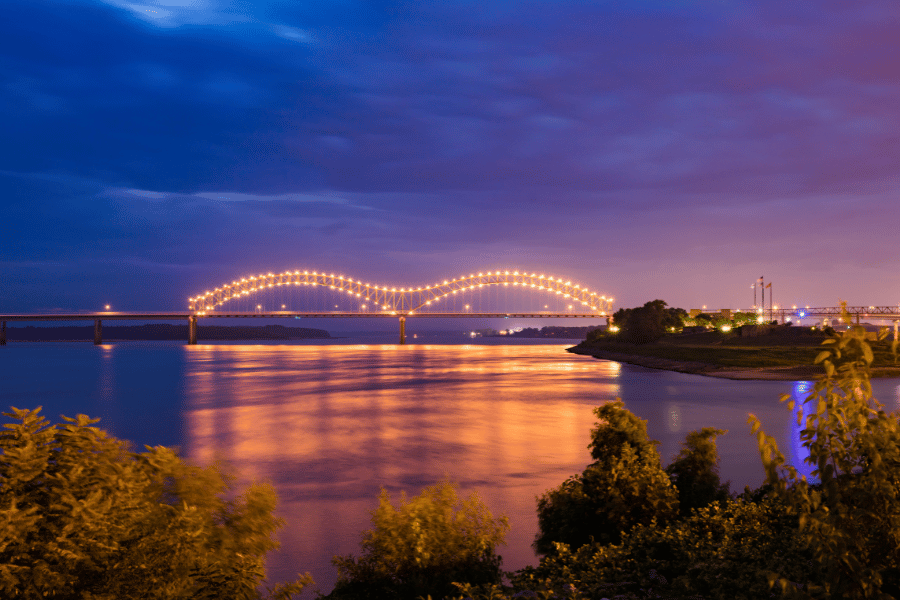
403,301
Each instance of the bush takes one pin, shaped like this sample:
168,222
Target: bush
695,471
625,486
81,516
422,546
717,552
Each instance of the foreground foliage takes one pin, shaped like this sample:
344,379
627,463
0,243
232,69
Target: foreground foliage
695,472
851,521
836,539
716,552
81,516
623,487
422,546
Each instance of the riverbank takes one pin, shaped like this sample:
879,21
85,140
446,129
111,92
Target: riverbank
776,357
710,370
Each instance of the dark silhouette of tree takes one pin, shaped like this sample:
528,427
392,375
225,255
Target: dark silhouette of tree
695,472
623,487
648,323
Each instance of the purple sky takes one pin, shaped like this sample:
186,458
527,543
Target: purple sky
673,150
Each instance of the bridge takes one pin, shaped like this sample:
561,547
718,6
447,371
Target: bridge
269,296
831,313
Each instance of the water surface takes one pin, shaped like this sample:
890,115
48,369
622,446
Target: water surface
329,424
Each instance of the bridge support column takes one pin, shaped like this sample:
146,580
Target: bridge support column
192,330
3,333
402,330
98,332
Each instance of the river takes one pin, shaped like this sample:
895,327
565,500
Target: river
330,423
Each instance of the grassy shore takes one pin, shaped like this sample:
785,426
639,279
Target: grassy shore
785,353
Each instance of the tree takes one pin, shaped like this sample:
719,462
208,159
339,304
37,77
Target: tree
645,323
743,318
695,471
623,487
649,322
81,516
851,520
422,546
719,551
674,318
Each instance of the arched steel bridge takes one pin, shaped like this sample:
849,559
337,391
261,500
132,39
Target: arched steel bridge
403,301
389,301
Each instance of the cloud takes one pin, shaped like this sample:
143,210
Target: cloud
613,138
239,197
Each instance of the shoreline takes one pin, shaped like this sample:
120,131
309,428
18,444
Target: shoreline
792,373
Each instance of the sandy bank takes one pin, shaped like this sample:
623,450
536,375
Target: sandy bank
803,372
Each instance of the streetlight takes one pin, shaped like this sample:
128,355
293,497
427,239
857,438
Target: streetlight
259,308
107,307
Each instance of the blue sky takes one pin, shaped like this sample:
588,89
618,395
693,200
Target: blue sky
156,149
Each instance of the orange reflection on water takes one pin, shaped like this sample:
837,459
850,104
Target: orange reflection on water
330,425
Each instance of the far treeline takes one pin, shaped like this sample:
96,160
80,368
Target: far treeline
84,516
165,331
571,333
655,319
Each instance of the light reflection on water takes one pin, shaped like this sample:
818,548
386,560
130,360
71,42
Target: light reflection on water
801,390
330,425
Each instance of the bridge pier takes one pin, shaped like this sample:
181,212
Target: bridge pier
3,333
192,330
98,332
402,330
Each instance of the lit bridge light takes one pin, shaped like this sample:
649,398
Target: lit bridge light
407,300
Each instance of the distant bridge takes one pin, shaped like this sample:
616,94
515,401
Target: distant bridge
438,300
856,313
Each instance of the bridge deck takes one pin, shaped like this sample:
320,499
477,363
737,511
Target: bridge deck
192,318
169,316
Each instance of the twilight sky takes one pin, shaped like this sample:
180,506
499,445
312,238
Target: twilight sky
647,149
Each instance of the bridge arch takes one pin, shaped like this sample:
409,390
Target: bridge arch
403,300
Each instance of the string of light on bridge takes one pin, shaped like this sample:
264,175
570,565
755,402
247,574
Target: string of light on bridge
402,300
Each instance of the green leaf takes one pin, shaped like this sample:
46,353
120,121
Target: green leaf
867,354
